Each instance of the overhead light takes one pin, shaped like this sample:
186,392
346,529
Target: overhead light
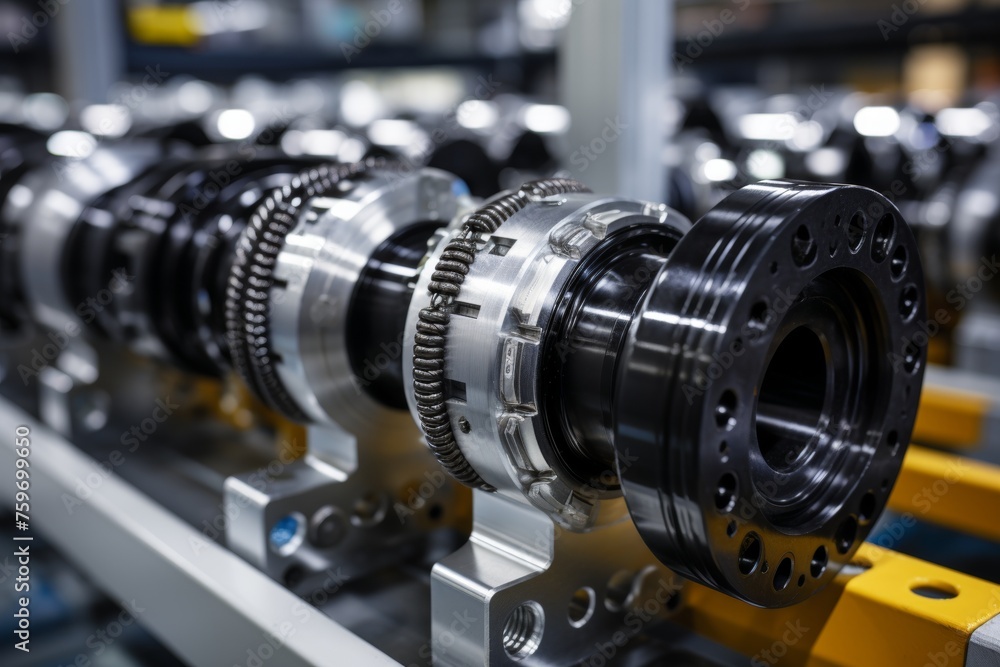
768,126
235,123
546,118
877,121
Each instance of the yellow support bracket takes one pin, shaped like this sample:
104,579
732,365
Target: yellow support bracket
880,617
950,491
951,417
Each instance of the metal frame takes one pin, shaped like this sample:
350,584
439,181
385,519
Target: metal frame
205,603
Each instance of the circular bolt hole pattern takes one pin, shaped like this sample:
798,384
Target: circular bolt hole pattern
803,247
782,574
908,300
725,492
856,231
724,411
750,553
817,566
898,264
522,631
581,606
882,239
937,590
286,534
846,534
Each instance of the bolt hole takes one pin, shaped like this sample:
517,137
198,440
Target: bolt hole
833,249
731,529
898,264
522,631
725,492
846,534
725,411
724,451
866,508
782,574
759,315
581,606
435,512
937,590
370,510
908,300
750,553
463,425
892,442
802,580
856,231
803,247
817,566
620,587
774,268
911,357
885,230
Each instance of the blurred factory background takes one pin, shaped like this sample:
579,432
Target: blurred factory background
679,102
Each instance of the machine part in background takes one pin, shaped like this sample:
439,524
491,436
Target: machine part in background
779,275
323,294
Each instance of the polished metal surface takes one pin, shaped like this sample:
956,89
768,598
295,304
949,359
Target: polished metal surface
317,271
984,644
520,593
357,505
770,386
493,355
48,205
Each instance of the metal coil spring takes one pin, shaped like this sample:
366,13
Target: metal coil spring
252,276
432,322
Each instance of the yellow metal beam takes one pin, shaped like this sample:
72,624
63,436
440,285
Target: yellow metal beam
950,491
951,417
873,619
